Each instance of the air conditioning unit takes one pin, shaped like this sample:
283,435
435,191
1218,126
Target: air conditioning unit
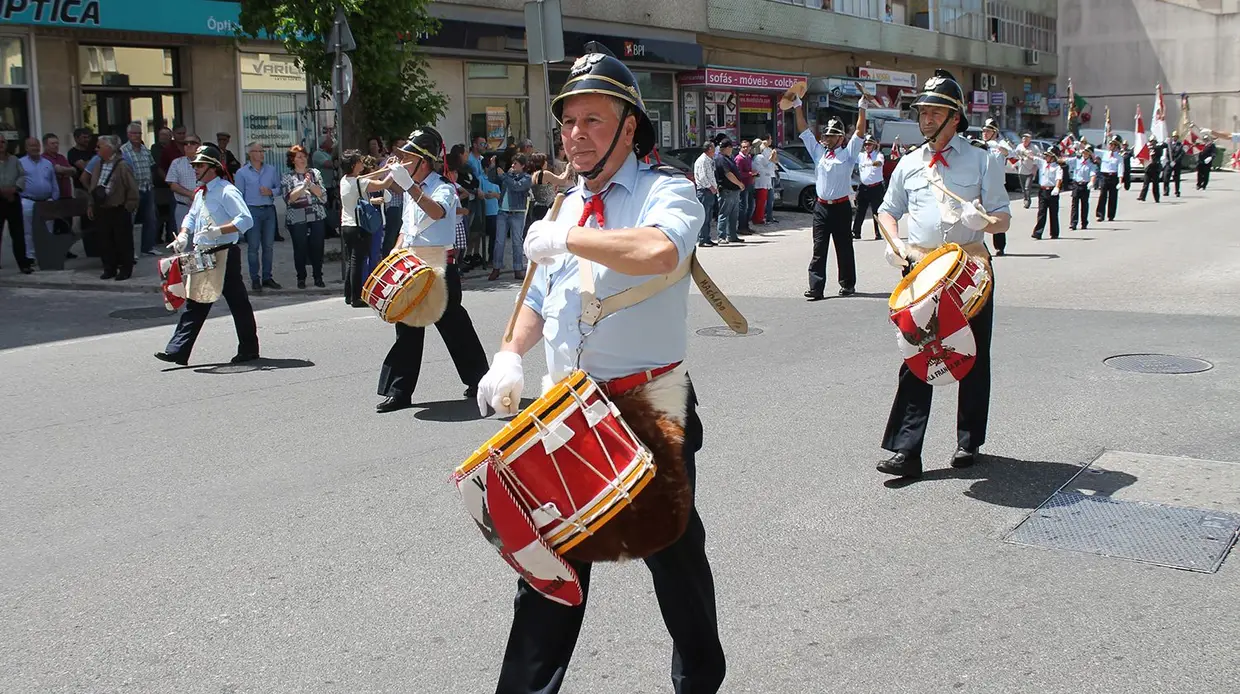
1032,57
981,81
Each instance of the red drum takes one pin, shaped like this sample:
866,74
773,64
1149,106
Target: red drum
407,288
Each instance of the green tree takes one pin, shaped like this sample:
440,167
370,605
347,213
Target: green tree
391,92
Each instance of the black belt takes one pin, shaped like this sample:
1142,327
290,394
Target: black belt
27,197
871,185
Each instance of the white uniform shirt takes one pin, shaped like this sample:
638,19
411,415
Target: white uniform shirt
1049,175
870,167
221,203
833,169
439,233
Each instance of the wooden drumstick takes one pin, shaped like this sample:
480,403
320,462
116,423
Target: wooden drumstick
525,284
893,240
959,199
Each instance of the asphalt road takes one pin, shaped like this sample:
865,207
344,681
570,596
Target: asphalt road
222,529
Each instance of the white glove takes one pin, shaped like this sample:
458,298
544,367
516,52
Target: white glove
545,240
1208,160
974,217
796,102
504,381
402,178
180,243
1055,192
212,232
893,259
861,103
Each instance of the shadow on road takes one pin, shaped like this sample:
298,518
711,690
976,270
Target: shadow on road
1019,483
463,410
260,364
1044,256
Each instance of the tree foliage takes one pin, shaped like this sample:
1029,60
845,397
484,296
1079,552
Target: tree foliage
391,92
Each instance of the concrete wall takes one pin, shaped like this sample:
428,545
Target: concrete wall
58,78
448,76
1116,51
686,15
212,101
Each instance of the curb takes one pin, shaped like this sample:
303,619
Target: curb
122,288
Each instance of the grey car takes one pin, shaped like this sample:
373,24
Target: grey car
797,179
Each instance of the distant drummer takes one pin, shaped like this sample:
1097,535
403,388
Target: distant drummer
933,220
633,223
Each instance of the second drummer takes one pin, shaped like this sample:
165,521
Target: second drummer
941,114
633,224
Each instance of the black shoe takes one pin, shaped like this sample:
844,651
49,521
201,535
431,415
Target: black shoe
27,269
318,282
964,458
813,295
360,304
124,274
393,403
1035,236
1071,228
901,465
999,252
847,291
243,357
707,244
279,237
271,284
256,286
1099,219
857,236
69,255
171,359
107,274
471,392
301,284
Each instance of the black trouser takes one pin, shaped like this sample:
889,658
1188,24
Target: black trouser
11,213
182,342
1170,174
1108,197
867,197
1080,204
1048,206
832,222
543,634
391,228
399,376
1151,181
356,248
906,425
1203,176
114,231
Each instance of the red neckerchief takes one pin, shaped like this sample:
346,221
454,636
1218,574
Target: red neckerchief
594,208
937,157
831,154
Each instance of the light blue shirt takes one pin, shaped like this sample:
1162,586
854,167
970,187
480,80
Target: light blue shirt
221,204
644,336
1112,162
250,179
40,179
1083,169
968,174
492,204
835,171
440,233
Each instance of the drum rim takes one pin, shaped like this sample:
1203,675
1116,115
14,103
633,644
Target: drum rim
907,280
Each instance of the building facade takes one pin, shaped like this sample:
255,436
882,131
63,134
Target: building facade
1116,52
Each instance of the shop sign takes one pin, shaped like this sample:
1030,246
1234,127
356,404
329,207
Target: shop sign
981,102
739,79
755,103
1053,107
271,72
998,98
889,77
497,126
201,17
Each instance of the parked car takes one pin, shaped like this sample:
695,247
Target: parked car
797,179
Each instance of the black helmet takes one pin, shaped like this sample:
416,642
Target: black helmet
600,72
424,142
943,90
991,125
1117,140
1053,151
835,126
208,154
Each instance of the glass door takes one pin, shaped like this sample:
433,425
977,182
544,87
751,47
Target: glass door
110,113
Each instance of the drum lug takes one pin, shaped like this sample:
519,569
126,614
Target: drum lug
555,436
596,412
545,515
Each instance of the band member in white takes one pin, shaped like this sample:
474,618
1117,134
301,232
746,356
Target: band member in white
1111,167
935,219
870,193
834,164
1050,185
216,220
1000,150
428,219
632,223
1027,166
1084,175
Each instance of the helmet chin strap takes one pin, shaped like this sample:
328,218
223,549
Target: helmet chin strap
597,169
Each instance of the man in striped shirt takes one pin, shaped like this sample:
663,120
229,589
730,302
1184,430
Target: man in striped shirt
707,189
140,160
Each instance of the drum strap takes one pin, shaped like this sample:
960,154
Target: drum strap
594,309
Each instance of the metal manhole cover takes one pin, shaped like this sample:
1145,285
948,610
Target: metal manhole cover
1157,364
1181,538
144,313
725,331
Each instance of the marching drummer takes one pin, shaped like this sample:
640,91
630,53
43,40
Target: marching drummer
428,219
999,150
833,212
870,193
933,220
651,219
216,219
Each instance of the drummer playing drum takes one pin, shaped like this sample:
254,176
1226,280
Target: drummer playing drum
935,218
632,223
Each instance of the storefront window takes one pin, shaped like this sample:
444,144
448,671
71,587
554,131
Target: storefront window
126,84
273,103
14,94
497,102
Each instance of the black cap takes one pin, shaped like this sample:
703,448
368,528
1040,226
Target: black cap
208,154
424,142
943,90
600,72
991,125
834,126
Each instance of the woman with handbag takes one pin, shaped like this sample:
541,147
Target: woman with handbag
112,202
305,195
359,222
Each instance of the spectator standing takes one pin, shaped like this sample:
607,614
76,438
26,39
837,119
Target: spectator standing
730,187
40,175
764,176
165,201
182,180
744,164
491,193
322,161
230,162
707,192
768,146
357,240
64,181
142,163
393,208
112,198
12,185
515,185
259,185
305,196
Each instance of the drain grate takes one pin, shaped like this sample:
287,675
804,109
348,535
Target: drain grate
1180,538
1157,364
725,331
144,313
